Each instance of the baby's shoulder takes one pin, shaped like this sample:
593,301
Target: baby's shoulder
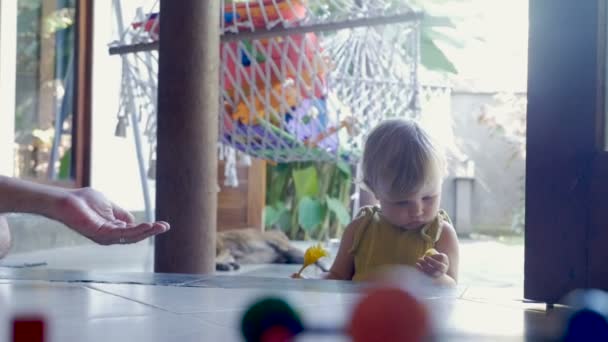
365,216
361,221
447,232
367,211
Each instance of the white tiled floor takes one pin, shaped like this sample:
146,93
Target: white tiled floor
129,312
188,300
482,263
128,307
153,328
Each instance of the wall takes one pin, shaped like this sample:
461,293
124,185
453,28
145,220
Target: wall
498,190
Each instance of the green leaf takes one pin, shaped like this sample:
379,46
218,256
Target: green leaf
344,168
338,208
432,57
443,37
306,182
436,21
282,167
310,213
271,215
274,214
65,165
284,221
278,177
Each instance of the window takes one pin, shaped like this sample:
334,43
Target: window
52,92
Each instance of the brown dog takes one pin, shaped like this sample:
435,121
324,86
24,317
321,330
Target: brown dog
252,246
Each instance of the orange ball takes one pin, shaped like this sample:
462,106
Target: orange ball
389,314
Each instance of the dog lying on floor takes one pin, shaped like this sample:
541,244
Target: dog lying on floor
252,246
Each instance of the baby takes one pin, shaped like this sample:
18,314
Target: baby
404,169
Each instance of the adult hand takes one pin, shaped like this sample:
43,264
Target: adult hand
91,214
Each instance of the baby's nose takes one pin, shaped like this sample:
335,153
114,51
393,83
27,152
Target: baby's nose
417,209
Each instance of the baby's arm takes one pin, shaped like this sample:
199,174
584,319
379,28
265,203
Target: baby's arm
343,267
448,245
443,267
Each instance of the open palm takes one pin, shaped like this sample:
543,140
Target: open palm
89,213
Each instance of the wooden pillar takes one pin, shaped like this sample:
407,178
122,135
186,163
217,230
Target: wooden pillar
188,106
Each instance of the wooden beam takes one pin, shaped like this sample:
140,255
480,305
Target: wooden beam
256,194
83,75
188,107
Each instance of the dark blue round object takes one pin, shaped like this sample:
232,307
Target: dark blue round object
586,324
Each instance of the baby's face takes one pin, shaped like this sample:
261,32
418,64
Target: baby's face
413,210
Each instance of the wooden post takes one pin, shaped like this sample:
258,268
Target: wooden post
188,106
561,125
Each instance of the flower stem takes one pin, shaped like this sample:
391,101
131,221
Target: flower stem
301,269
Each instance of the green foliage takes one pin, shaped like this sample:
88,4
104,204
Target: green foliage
308,200
58,20
65,165
311,213
306,182
338,209
31,30
432,57
438,29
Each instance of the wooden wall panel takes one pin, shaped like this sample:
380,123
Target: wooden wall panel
242,207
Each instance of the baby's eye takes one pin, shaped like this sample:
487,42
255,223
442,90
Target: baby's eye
428,198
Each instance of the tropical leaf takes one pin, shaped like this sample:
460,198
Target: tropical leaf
344,169
438,35
271,216
310,213
432,57
437,21
306,182
278,177
338,208
275,215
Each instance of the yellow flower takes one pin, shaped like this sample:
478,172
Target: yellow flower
312,255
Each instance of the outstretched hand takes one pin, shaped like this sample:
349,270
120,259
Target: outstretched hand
91,214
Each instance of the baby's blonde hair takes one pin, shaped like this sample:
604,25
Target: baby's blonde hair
399,158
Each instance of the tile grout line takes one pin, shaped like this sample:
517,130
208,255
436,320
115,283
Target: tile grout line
130,299
158,307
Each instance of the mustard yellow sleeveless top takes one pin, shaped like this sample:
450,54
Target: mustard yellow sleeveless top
377,243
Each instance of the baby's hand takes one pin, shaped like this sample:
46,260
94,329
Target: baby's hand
435,265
